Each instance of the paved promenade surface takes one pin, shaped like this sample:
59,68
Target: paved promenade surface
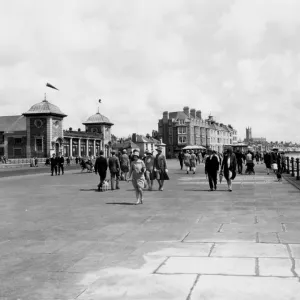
60,239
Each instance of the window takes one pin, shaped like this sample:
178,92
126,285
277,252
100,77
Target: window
182,130
18,141
182,139
17,152
181,122
1,138
170,131
170,140
39,144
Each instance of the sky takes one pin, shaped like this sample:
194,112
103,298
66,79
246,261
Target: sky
236,59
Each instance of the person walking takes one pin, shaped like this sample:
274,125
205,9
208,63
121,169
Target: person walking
68,161
137,170
228,167
187,161
267,160
101,166
193,162
60,164
212,166
180,158
125,164
53,163
240,161
149,163
114,168
160,168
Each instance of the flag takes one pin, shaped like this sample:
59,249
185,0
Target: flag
99,100
51,86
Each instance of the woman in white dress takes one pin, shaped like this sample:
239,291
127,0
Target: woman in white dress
137,170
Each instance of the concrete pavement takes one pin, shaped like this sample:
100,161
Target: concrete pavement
61,239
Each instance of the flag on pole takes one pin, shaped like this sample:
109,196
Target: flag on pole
51,86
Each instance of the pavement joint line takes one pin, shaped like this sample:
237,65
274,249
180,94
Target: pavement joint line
76,297
220,227
211,249
193,286
186,235
278,238
257,237
293,262
256,266
163,263
225,275
283,227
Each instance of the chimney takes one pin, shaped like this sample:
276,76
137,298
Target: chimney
134,137
70,129
193,113
186,110
210,118
198,114
165,117
79,129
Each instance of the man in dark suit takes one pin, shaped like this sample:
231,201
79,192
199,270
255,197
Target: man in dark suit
212,166
60,163
53,163
101,168
114,168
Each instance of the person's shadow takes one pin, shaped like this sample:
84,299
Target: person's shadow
120,203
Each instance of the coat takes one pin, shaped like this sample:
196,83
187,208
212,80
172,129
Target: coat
114,164
212,164
53,161
60,160
101,165
231,167
160,162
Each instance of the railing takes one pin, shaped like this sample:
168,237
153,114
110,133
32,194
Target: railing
292,167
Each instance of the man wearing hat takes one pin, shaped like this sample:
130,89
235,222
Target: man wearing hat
101,168
160,168
125,164
114,168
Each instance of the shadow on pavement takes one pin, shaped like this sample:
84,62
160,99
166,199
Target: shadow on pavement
88,190
120,203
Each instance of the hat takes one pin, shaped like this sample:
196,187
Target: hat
159,148
124,151
113,151
136,153
148,152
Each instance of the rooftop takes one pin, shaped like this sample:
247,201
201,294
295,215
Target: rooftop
97,119
44,108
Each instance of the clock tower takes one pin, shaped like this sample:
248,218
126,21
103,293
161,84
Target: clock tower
44,126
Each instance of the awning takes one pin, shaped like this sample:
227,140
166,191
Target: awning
193,147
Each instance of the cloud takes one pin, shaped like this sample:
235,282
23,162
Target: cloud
237,59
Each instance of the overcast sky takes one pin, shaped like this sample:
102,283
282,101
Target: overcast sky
238,59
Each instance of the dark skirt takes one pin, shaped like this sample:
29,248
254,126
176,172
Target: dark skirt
162,175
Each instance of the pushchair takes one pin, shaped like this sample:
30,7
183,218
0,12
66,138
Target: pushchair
249,168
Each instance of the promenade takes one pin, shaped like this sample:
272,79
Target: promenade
61,239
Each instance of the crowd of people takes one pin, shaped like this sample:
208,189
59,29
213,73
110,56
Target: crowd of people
141,171
230,162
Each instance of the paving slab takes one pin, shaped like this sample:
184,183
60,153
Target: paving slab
275,267
247,288
250,250
208,265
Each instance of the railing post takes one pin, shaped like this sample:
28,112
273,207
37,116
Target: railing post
288,165
297,166
293,167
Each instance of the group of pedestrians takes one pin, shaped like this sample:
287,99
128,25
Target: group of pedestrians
3,159
226,166
141,172
276,162
57,164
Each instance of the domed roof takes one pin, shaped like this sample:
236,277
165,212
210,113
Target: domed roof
44,107
97,119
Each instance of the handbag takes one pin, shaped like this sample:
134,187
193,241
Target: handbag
165,175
